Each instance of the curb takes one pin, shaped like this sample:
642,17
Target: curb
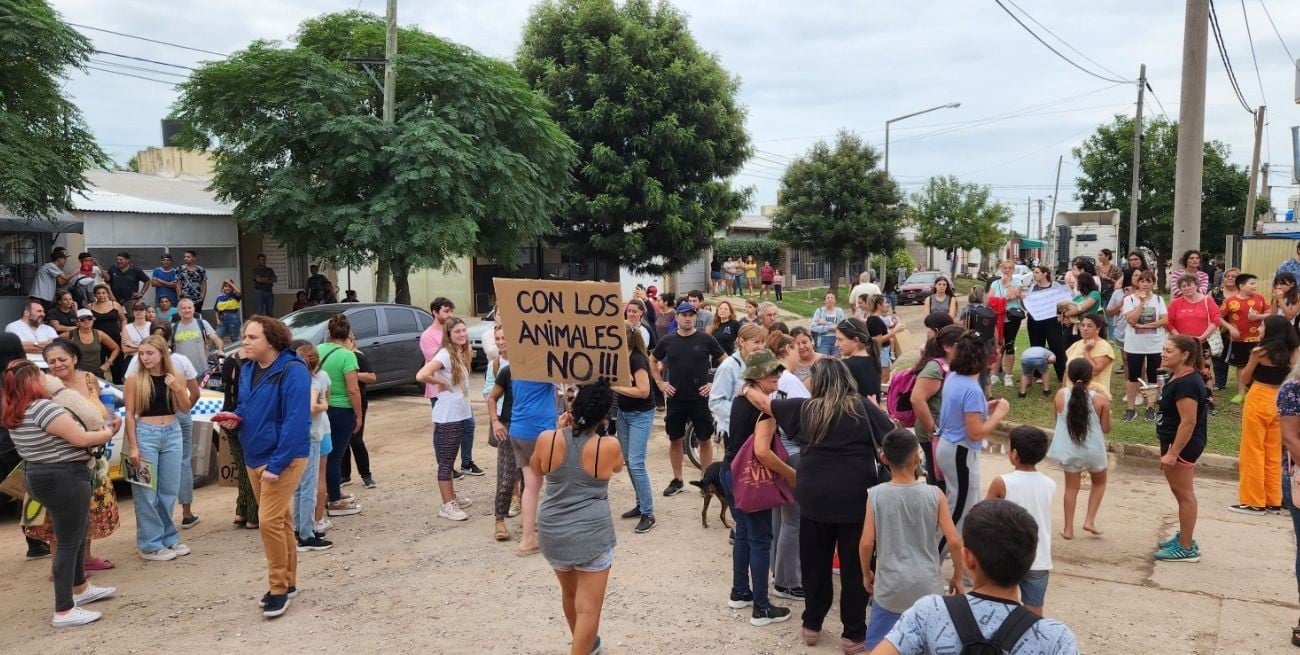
1220,463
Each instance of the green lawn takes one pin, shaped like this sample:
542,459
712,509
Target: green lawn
1224,430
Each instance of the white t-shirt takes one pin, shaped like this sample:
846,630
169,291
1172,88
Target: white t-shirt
27,334
1118,324
320,390
452,405
179,362
791,386
1144,341
1033,491
136,334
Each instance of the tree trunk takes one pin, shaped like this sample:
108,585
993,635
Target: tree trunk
381,280
401,281
836,265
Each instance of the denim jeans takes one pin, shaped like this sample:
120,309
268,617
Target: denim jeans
186,494
634,438
64,489
160,444
342,421
753,548
264,302
304,495
826,345
230,325
467,443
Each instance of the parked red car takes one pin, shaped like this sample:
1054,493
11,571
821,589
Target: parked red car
917,287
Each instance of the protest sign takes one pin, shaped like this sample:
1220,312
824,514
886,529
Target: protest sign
1041,304
227,472
565,332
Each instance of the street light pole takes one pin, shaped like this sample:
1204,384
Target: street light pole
884,259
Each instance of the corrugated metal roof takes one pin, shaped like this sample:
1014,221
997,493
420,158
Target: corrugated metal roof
754,222
123,191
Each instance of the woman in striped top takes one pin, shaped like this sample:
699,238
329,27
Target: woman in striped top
57,474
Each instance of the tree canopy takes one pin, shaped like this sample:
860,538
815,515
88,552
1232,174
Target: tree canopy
45,146
1106,179
953,215
658,128
472,164
837,204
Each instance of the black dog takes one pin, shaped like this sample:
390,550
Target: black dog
711,487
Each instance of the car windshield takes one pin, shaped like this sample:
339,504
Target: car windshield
306,324
921,278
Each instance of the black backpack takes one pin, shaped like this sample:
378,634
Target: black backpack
982,320
973,641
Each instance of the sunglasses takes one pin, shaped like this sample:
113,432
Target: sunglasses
85,318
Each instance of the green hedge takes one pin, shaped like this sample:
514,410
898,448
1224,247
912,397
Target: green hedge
761,249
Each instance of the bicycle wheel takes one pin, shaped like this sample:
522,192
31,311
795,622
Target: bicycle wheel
691,445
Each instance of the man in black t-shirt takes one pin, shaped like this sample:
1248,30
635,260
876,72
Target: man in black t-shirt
688,355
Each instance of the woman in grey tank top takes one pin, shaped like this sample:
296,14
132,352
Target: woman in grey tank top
574,527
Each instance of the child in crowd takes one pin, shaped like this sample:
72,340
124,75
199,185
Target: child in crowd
1244,312
166,312
905,518
1031,489
1000,538
305,495
1033,363
227,308
1079,442
778,281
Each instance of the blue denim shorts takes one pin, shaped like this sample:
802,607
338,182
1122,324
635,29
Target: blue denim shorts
1033,588
1032,365
594,565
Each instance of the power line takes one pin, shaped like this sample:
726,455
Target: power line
138,77
1159,104
142,69
1054,50
1063,41
1227,61
1251,40
142,38
1293,60
1017,113
148,61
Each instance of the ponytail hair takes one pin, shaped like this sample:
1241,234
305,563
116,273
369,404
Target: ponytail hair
1077,410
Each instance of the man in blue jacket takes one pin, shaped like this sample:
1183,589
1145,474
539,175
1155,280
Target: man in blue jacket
275,431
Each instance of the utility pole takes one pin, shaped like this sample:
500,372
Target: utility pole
384,270
1191,129
1254,172
1136,194
1040,215
1051,218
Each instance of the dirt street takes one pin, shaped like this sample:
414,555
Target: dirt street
400,580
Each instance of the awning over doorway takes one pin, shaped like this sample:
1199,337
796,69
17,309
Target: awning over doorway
1031,243
60,225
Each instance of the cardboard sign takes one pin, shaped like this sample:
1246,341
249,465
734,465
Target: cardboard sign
564,332
1041,304
227,472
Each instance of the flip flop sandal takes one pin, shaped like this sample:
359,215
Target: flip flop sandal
98,564
502,533
251,526
526,553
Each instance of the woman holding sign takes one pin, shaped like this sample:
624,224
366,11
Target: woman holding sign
448,372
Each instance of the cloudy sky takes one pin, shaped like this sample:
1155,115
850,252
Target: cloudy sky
812,67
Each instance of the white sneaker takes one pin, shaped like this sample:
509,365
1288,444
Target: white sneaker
160,555
181,550
92,594
1006,379
451,511
322,526
462,502
73,617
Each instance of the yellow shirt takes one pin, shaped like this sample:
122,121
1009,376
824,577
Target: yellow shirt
751,269
1100,376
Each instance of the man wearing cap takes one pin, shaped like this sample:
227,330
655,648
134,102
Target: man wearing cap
688,354
164,282
49,278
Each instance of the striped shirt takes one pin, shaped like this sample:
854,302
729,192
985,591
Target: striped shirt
37,445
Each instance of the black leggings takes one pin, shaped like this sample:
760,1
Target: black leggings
357,446
1050,334
64,490
818,543
1010,330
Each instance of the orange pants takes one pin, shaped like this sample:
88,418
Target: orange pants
275,516
1259,466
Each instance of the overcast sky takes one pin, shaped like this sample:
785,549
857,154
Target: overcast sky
812,67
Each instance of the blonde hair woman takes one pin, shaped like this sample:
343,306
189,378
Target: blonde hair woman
448,371
154,395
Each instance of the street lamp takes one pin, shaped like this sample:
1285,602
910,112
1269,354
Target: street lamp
952,105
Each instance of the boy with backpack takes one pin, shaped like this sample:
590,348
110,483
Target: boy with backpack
1031,489
999,539
904,521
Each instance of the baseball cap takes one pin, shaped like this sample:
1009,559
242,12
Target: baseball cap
761,364
85,313
685,308
653,291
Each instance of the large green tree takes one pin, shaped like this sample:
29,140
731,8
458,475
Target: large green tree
1106,182
45,146
836,203
953,215
471,166
658,128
